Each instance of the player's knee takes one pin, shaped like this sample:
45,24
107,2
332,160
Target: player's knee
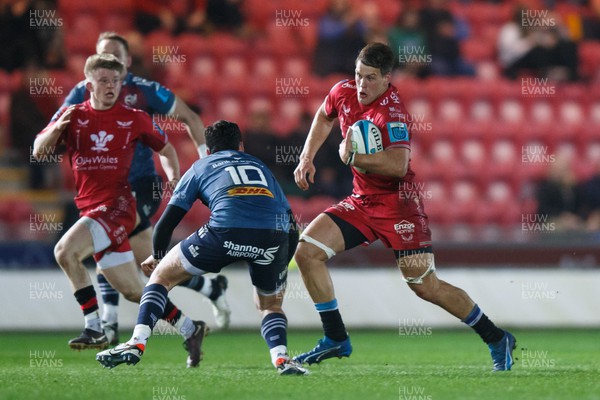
425,292
306,252
269,309
269,304
132,294
64,257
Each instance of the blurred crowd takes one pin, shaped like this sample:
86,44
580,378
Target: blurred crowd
568,203
427,36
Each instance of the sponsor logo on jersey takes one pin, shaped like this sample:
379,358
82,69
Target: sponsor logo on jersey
385,101
125,124
194,250
405,229
398,132
131,100
258,254
82,161
249,191
348,85
344,206
394,97
100,140
82,123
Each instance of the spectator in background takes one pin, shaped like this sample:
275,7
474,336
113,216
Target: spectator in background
225,15
434,12
442,36
589,204
147,15
173,16
260,139
374,28
29,114
546,52
445,52
406,36
340,37
23,42
558,196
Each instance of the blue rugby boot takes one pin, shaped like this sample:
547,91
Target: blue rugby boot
501,352
326,348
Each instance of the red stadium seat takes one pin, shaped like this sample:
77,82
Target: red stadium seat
464,199
500,204
475,50
589,55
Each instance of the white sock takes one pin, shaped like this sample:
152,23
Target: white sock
92,321
276,352
207,287
186,327
141,333
110,313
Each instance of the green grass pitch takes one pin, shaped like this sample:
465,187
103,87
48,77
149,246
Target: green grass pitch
429,365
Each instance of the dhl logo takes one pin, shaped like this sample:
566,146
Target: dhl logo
249,191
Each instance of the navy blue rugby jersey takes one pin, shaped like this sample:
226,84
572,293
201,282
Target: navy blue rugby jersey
239,190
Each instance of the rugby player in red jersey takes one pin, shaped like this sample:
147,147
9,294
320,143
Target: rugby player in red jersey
383,205
146,183
100,136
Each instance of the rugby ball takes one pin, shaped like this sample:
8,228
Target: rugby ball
366,139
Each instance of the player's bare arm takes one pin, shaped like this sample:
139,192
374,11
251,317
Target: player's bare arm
170,163
193,124
390,162
319,130
45,141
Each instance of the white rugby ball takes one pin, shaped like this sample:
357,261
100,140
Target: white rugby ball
366,139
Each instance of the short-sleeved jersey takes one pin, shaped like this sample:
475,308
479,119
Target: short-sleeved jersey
141,94
239,190
101,144
388,113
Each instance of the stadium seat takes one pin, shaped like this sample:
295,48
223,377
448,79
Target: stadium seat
505,155
287,117
594,112
225,46
436,203
264,67
541,111
589,56
482,110
511,110
450,110
231,108
500,204
474,158
474,50
464,199
571,113
296,67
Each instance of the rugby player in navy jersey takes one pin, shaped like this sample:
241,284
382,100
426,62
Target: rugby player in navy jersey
250,221
146,184
383,206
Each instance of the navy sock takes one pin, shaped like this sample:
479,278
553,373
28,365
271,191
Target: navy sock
195,283
333,326
273,329
152,305
481,324
108,293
